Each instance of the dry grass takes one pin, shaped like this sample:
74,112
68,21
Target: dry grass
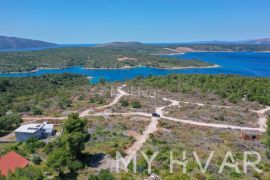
210,114
148,104
177,137
108,136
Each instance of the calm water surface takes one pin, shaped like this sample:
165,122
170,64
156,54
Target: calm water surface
244,63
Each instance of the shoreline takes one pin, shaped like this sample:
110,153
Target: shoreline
181,53
173,54
33,71
190,67
121,68
124,67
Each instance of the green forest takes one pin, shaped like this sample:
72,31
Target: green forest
33,94
91,57
226,86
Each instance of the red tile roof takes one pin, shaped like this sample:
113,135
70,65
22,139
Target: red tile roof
12,161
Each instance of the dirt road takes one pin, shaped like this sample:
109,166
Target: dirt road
262,119
153,125
261,113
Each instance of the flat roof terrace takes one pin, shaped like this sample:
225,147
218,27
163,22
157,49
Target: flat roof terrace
29,128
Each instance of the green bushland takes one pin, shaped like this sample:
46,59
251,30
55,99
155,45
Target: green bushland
9,122
103,175
227,86
136,104
63,156
133,103
35,94
107,136
65,153
124,102
31,93
267,138
30,172
90,57
56,156
98,99
26,148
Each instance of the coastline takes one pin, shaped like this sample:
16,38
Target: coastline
32,71
173,54
124,67
181,53
130,67
176,52
190,67
121,68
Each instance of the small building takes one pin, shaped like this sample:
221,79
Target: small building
39,131
48,131
250,135
10,162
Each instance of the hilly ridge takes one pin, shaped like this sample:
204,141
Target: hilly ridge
262,41
259,41
20,43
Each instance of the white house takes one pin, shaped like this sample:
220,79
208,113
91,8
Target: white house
48,130
33,130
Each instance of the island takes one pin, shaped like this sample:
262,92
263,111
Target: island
107,56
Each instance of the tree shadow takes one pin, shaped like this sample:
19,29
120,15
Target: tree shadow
93,160
4,133
69,176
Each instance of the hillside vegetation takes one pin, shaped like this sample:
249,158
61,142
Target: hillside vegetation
109,56
225,47
85,143
227,86
112,55
18,43
24,94
35,95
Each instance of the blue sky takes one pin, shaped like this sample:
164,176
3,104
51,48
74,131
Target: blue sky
98,21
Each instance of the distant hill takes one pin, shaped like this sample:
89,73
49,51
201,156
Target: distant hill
121,44
19,43
261,41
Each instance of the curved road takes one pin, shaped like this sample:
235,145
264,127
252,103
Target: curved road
261,114
153,125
